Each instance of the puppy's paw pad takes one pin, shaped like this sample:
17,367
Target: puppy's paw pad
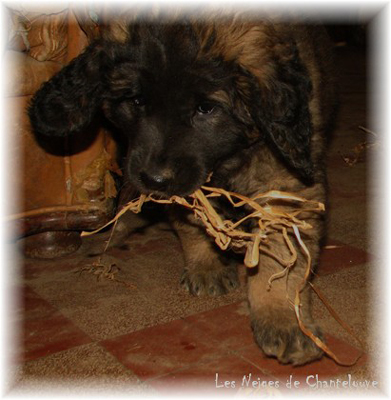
287,342
212,282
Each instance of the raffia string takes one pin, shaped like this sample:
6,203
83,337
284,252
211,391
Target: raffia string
227,233
270,219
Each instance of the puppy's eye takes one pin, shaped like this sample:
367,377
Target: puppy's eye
205,108
139,101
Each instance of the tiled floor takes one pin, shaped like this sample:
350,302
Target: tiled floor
83,334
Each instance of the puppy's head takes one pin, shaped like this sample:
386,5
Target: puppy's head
184,108
176,108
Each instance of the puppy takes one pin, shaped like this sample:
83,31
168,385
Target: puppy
249,101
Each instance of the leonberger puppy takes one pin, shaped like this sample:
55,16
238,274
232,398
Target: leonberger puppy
246,101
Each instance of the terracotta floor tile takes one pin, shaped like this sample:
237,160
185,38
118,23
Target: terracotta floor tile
44,329
341,256
226,375
30,305
162,349
50,335
324,368
228,326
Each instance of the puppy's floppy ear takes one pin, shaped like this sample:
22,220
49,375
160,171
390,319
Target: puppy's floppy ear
279,106
67,102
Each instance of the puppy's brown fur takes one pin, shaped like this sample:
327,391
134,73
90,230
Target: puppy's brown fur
247,100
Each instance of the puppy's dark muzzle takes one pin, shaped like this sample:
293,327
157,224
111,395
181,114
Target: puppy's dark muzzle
181,177
156,182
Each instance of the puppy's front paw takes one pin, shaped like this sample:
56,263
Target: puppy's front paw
283,339
213,281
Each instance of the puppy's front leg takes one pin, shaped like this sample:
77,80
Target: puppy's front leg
208,271
273,319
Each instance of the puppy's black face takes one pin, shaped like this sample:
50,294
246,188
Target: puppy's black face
178,113
184,106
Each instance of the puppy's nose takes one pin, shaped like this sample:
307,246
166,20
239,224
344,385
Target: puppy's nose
158,181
